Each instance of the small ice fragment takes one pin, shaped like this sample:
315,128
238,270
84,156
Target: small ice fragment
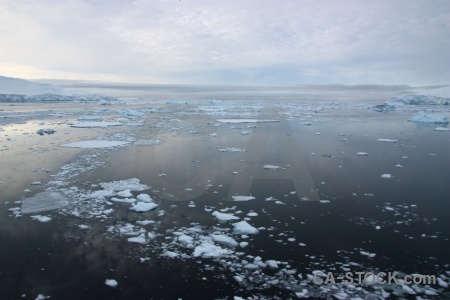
40,218
387,140
271,167
144,198
138,239
224,240
231,149
386,176
377,227
96,124
125,193
143,206
147,142
208,250
244,228
243,198
363,154
398,166
224,217
111,282
365,253
441,129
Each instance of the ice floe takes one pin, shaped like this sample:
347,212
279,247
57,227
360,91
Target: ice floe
147,142
40,218
224,217
243,227
111,282
43,202
239,121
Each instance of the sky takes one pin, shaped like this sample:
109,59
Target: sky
229,42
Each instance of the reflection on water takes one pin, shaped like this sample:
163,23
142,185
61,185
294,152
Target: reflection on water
402,219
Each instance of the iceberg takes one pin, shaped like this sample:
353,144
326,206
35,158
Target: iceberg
429,118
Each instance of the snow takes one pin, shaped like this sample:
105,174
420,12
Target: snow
96,124
224,217
40,218
224,240
244,228
43,202
143,206
111,282
90,144
429,118
243,198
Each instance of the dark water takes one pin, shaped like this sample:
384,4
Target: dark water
60,260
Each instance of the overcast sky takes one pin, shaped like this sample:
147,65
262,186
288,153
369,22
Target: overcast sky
228,41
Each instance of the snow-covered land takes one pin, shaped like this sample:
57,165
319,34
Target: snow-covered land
21,90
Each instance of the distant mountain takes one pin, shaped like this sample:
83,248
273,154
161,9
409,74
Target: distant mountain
21,90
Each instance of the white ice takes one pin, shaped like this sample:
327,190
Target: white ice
94,144
224,217
243,198
147,142
40,218
208,250
111,282
143,206
271,167
43,202
224,240
244,228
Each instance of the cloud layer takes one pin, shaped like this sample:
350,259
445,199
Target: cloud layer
228,42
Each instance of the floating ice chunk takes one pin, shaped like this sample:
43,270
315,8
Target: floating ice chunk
145,222
279,202
132,184
101,194
144,198
209,250
243,198
111,282
40,218
89,144
231,149
138,239
387,140
238,278
90,118
306,123
365,253
441,129
442,283
340,296
271,167
224,240
143,206
377,227
123,200
389,208
429,118
398,166
125,193
244,228
147,142
170,254
386,176
238,121
324,201
43,202
224,217
45,131
252,214
302,294
96,124
130,113
84,227
363,154
42,297
408,290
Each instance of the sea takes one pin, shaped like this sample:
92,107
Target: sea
213,192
